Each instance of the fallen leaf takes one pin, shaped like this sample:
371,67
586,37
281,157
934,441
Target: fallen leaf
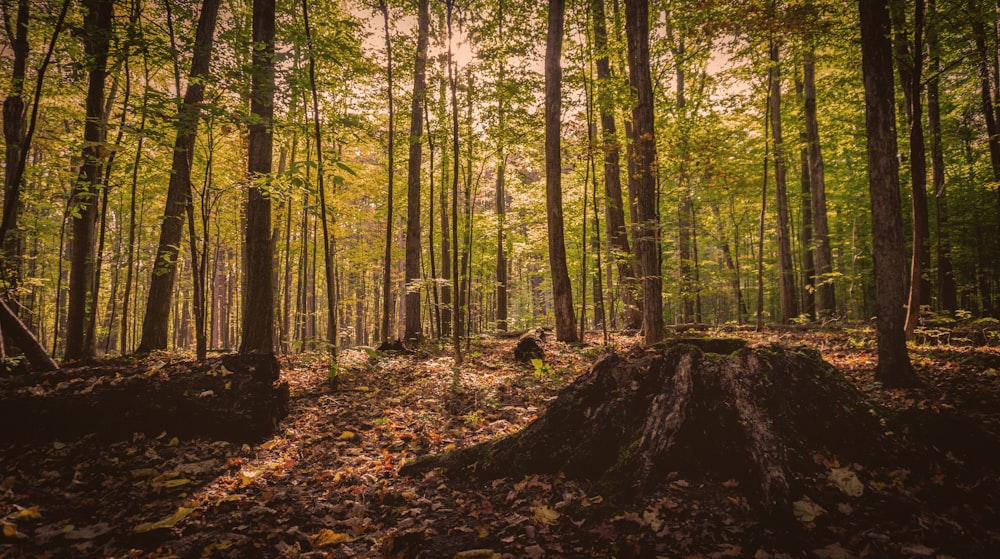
534,551
88,532
29,513
806,510
833,551
328,537
545,515
918,549
168,522
847,481
477,554
346,436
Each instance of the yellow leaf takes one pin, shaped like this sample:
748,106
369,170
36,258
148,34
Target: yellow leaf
346,436
806,510
30,512
174,442
328,537
168,522
58,445
450,447
545,515
847,481
248,476
229,385
9,530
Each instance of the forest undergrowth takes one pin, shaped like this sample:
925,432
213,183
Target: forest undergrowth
326,484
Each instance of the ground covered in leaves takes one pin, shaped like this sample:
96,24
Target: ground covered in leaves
326,484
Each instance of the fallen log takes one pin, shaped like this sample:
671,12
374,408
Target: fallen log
235,398
529,346
757,415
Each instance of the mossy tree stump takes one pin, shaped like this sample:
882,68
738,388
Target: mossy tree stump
756,415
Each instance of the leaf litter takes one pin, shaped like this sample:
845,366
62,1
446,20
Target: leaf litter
325,484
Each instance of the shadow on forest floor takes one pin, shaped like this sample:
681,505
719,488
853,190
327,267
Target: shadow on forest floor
326,486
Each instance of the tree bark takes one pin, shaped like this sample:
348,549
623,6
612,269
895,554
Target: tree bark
826,304
82,291
808,291
893,369
614,214
786,275
24,339
14,133
413,318
387,256
161,284
258,301
910,60
644,179
947,290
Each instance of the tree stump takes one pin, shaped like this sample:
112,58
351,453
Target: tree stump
529,346
756,415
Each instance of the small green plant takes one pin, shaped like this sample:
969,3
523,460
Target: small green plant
542,368
476,417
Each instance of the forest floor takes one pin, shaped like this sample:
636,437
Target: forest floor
326,484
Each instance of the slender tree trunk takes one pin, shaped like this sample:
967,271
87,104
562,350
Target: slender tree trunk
986,94
947,291
413,249
893,369
435,289
456,331
446,268
258,301
161,285
763,211
808,291
644,154
562,292
14,133
82,291
786,273
826,304
614,214
331,291
387,257
910,58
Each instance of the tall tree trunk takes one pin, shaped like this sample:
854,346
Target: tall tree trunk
446,257
387,257
947,291
893,369
258,301
456,331
413,328
161,284
986,93
826,304
644,180
786,273
82,291
910,59
562,292
435,289
14,133
806,231
328,263
614,214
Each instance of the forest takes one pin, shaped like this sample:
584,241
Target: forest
610,278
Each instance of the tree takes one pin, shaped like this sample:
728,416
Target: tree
786,283
644,180
894,369
161,285
387,256
562,292
909,62
82,291
258,301
826,304
413,318
614,213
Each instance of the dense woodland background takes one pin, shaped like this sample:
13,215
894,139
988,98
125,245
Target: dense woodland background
133,131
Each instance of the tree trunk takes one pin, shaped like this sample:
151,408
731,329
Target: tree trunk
258,301
161,284
14,133
754,415
614,214
786,275
12,328
562,292
413,318
826,304
644,180
446,256
947,290
894,369
387,257
806,231
909,62
82,291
